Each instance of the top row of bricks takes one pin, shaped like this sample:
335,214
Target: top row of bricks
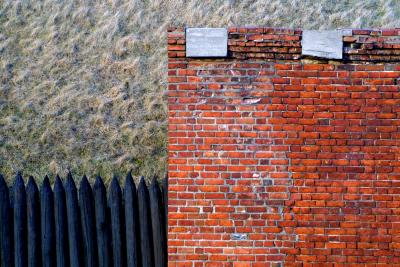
213,42
370,32
360,45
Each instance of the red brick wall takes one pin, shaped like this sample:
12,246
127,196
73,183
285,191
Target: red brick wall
299,160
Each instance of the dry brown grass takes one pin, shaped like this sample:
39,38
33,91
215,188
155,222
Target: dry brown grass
83,83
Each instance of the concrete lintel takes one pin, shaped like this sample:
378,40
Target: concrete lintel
324,44
346,31
206,42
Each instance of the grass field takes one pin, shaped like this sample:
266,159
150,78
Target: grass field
83,83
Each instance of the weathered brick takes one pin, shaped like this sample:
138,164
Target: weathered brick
299,159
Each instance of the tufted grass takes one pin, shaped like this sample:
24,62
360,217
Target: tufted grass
83,83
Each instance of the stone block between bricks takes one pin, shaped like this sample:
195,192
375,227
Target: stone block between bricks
323,44
206,42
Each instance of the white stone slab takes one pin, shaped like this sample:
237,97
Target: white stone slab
206,42
325,44
346,32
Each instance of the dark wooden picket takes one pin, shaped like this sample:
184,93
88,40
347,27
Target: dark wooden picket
47,222
102,223
85,227
88,223
74,233
115,203
60,218
146,235
6,245
33,216
164,186
157,223
20,248
131,223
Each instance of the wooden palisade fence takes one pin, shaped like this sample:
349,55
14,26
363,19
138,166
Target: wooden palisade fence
66,226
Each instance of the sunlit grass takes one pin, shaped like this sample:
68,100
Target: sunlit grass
83,83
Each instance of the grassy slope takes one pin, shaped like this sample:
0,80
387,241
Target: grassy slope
82,83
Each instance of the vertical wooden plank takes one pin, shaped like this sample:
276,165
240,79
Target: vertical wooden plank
102,223
47,222
86,204
6,246
60,217
74,231
20,248
131,223
146,237
33,217
115,203
165,205
157,222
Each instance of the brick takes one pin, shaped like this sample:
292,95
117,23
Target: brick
300,158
